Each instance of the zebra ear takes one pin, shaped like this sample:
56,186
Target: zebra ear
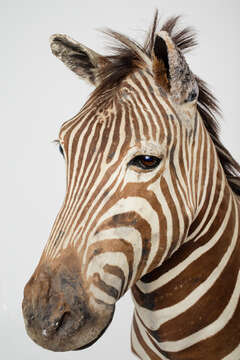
81,60
171,70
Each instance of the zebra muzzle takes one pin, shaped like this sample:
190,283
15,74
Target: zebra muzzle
57,311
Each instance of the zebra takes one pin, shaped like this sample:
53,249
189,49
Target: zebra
151,205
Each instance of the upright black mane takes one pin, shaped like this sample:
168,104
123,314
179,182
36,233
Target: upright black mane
129,56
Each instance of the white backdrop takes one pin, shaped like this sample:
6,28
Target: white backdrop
38,93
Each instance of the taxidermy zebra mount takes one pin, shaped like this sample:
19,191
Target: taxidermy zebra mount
152,205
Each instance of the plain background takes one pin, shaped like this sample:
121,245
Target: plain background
38,93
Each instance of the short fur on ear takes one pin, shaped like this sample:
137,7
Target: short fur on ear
171,71
83,61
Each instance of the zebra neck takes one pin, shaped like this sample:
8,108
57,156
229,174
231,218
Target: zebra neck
189,306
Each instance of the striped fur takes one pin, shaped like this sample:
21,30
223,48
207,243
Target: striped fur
170,234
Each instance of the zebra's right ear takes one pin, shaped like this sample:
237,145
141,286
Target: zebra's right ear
83,61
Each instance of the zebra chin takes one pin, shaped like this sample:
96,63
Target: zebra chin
59,314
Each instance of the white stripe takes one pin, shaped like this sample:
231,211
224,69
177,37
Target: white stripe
98,294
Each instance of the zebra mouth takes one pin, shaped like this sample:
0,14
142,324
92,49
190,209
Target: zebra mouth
96,339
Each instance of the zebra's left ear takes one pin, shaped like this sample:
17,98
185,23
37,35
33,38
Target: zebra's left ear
171,70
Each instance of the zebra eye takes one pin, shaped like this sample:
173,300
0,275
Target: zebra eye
145,162
61,150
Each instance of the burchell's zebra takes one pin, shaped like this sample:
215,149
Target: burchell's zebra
152,204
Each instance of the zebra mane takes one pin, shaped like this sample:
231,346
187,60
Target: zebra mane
129,55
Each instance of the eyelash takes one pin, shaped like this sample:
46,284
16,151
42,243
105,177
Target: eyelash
59,147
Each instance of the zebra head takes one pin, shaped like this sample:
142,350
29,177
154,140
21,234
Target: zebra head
131,186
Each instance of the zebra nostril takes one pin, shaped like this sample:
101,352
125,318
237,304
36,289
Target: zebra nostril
62,321
61,324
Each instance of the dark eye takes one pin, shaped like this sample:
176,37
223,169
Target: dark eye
61,150
145,162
